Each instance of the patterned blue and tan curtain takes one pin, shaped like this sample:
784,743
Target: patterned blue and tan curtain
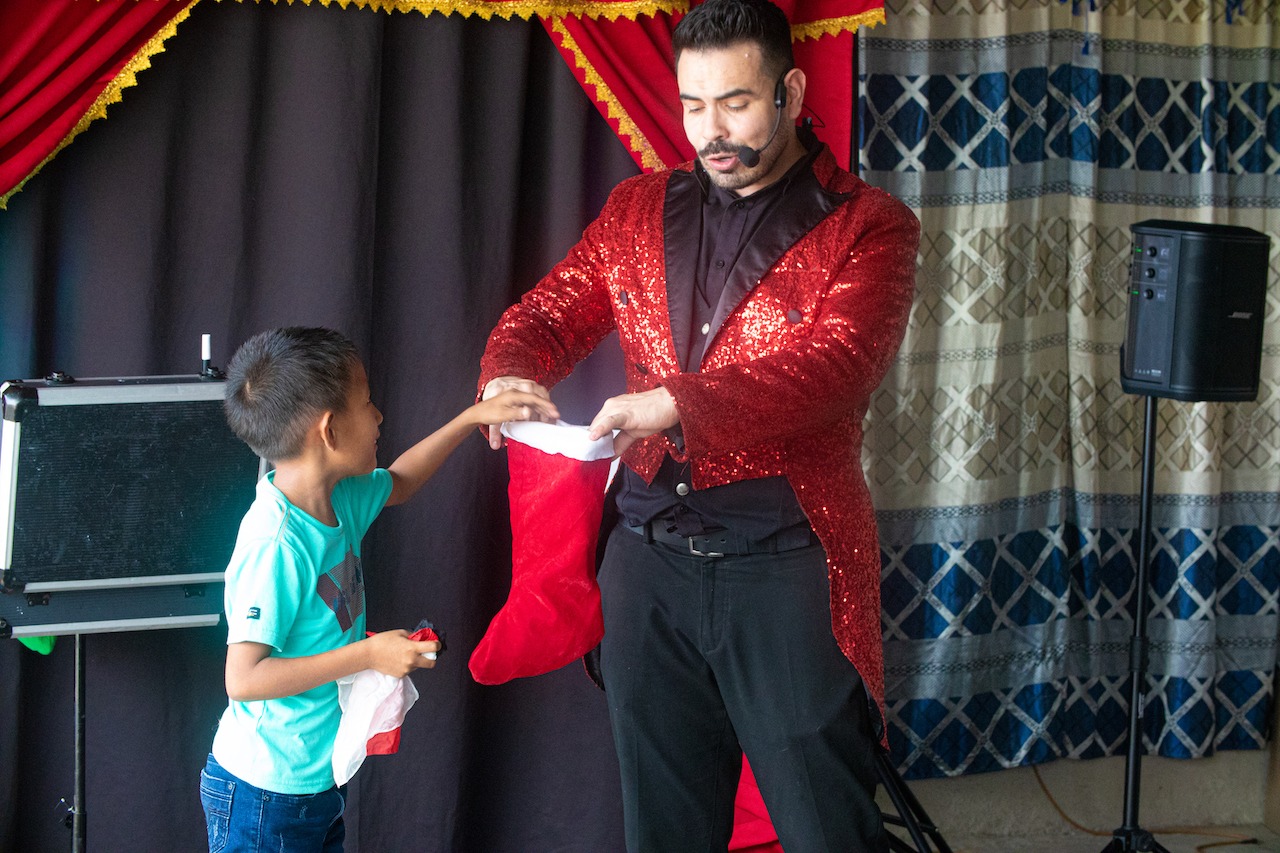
1004,456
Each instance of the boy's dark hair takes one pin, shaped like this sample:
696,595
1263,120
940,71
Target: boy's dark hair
280,381
718,24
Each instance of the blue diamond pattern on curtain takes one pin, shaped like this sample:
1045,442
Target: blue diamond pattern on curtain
1002,452
993,120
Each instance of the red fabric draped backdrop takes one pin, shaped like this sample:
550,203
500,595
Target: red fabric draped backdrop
63,61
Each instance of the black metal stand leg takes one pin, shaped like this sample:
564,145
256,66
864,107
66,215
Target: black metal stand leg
1134,839
911,815
1131,836
79,833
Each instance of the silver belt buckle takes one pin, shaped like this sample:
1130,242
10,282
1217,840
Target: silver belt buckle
695,552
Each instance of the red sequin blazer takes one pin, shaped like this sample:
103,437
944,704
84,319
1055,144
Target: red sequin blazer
789,366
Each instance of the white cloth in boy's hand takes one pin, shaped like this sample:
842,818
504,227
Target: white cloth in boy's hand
374,706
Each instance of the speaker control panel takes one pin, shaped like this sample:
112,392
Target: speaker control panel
1152,290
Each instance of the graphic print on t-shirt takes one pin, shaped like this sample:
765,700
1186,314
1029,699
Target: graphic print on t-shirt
342,589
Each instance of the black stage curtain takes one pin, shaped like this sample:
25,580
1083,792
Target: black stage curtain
403,178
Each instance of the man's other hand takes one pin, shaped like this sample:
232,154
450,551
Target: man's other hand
637,416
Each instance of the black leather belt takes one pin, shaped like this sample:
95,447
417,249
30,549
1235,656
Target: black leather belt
726,543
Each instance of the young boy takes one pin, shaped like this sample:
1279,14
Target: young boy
294,587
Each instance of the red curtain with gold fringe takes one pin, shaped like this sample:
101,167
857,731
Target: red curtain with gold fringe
625,67
61,63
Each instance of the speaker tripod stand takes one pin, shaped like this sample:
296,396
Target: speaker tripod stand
911,816
1130,836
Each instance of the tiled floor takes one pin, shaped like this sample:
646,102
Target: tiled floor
1235,839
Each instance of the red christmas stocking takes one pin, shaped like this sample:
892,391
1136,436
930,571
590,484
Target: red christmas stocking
552,615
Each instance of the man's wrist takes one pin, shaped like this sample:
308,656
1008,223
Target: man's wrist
674,419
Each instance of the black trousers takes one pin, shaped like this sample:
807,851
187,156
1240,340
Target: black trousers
707,658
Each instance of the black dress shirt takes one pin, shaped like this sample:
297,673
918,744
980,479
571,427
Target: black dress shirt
753,509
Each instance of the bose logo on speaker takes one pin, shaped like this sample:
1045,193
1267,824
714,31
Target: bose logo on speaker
1240,315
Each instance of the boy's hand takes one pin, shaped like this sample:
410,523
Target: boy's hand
513,405
393,653
535,404
417,464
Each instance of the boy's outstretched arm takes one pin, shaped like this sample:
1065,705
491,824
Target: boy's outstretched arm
254,673
417,464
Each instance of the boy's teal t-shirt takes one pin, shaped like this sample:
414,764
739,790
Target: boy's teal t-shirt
297,585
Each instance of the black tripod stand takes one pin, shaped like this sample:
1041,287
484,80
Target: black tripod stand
910,814
1131,836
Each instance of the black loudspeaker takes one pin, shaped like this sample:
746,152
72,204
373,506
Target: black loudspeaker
1197,297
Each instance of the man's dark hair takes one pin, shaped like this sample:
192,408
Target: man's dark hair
718,24
280,381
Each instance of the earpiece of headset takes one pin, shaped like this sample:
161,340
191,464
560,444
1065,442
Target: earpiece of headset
780,91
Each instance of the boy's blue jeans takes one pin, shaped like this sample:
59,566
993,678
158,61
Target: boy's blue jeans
246,819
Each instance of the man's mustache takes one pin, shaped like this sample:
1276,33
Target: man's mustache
720,146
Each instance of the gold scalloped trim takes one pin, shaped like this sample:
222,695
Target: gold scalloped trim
488,9
835,26
626,126
128,76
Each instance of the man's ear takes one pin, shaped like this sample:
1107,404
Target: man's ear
795,82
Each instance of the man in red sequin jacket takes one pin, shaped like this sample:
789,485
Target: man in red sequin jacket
760,295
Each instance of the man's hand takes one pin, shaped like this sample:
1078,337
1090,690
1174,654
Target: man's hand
636,415
499,384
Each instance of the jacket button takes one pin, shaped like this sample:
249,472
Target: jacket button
682,489
794,316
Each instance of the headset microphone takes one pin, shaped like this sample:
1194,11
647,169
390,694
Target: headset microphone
750,157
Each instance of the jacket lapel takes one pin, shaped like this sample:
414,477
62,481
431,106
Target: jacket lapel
681,218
